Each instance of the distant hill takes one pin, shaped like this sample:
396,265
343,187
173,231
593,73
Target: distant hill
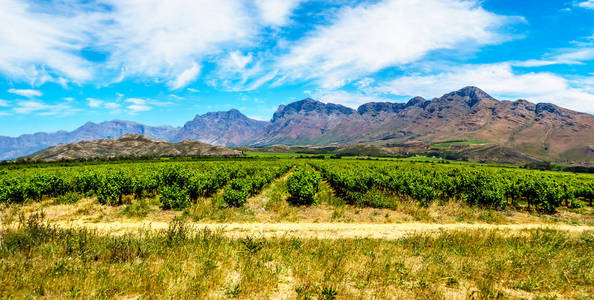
513,129
130,145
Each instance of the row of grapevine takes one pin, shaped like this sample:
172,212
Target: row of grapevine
239,189
362,183
303,186
177,184
494,187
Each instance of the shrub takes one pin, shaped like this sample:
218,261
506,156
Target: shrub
174,197
236,193
68,198
303,186
113,187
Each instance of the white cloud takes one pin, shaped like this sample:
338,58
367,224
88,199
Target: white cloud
276,12
36,46
138,105
531,63
136,100
576,55
368,38
236,61
94,103
27,107
129,105
586,4
112,105
4,103
240,72
500,81
581,52
25,92
160,39
185,78
192,90
69,99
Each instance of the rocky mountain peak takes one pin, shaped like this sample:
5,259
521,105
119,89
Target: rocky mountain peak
228,128
470,94
135,137
375,108
232,114
473,92
309,105
415,101
548,107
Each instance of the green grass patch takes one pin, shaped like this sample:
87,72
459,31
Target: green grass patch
446,145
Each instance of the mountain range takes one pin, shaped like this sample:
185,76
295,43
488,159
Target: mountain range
543,130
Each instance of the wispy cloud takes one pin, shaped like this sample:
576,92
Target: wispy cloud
586,4
367,38
185,78
137,105
579,53
129,105
163,41
41,46
274,12
112,105
27,107
94,103
4,103
25,92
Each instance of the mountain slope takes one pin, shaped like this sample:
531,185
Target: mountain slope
129,145
306,122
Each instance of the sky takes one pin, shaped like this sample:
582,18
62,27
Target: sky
64,63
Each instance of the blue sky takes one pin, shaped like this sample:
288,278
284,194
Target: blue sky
63,63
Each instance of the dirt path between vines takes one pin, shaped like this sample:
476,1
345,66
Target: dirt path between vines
318,230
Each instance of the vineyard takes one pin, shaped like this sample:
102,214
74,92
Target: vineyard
380,184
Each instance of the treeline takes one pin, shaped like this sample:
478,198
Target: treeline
548,166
